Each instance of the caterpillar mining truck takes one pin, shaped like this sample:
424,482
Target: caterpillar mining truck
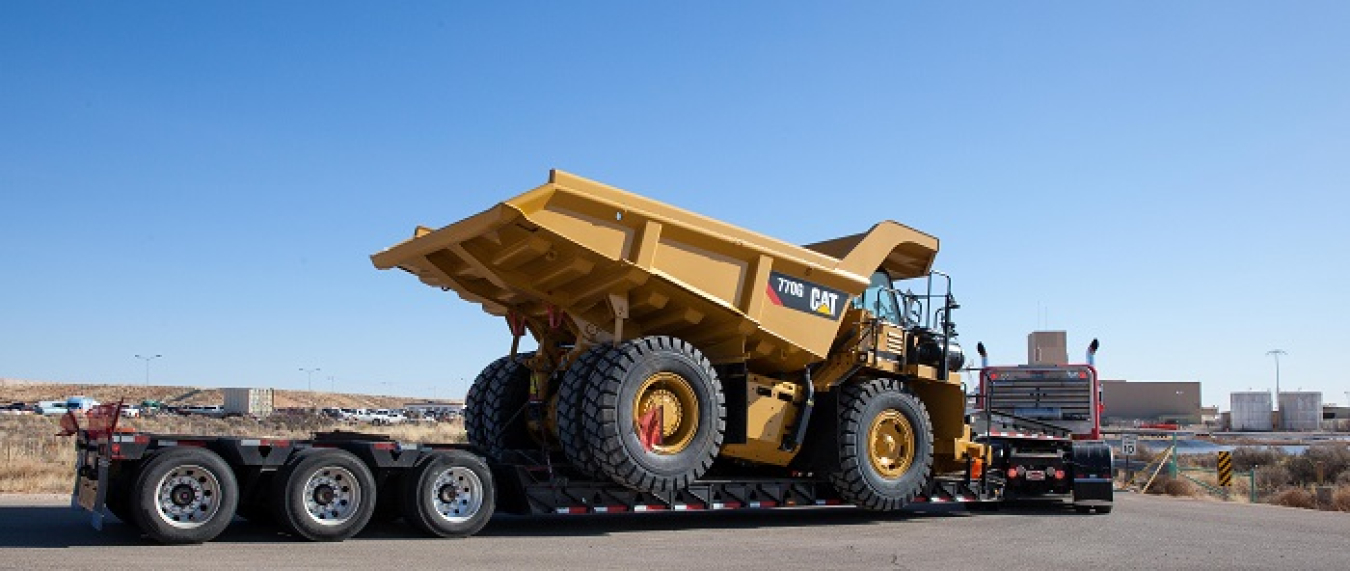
685,361
676,363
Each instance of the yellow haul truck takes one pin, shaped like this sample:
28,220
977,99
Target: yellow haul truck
677,363
674,349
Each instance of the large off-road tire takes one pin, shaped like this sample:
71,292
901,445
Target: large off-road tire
637,377
576,382
886,445
184,495
449,494
323,494
496,420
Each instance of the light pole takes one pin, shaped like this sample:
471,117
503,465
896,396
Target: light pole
1276,354
147,359
309,377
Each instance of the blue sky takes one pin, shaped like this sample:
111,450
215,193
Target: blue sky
206,181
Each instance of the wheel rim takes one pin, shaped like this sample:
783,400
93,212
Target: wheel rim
891,444
332,495
188,497
457,494
679,410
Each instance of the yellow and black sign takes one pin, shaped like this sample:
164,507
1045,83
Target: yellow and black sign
1225,469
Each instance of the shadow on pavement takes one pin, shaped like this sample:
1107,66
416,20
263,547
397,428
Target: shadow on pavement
59,526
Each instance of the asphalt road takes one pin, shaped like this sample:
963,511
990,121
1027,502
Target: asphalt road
41,532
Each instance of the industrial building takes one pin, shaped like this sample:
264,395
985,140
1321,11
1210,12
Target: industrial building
1128,402
1250,411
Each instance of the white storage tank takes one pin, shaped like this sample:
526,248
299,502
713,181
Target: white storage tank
248,402
1250,411
1301,410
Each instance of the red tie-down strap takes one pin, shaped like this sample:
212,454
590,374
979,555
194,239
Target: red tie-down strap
651,427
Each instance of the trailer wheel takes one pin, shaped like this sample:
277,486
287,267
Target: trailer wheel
184,495
449,494
886,445
495,420
671,379
576,382
323,494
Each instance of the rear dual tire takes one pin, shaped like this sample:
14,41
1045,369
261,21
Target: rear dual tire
449,494
323,494
183,495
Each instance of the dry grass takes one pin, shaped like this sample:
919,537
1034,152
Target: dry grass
1340,500
1295,498
34,460
32,391
1166,485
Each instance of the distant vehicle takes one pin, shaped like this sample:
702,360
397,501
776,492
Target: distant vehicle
80,404
214,411
50,407
384,416
131,411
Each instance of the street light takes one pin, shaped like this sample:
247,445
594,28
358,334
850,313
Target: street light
1276,354
147,360
309,377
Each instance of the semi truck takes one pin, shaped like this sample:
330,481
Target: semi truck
1042,423
674,362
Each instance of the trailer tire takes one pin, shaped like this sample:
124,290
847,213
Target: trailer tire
495,420
323,494
184,495
576,382
885,445
644,373
449,494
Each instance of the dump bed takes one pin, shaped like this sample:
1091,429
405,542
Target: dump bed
596,253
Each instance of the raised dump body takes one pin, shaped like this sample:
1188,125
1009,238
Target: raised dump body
626,265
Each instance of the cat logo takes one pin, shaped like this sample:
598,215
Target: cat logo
804,296
824,301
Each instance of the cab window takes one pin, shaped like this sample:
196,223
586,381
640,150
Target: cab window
879,299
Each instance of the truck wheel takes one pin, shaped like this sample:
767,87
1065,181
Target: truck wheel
449,494
886,446
184,495
669,378
571,419
496,420
323,494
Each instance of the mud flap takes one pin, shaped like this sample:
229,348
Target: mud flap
1091,473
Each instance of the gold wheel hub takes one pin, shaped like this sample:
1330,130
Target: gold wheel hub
890,444
678,405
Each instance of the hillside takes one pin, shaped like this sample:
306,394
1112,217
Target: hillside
12,390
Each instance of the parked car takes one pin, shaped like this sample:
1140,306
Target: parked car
50,407
80,404
213,411
131,411
385,416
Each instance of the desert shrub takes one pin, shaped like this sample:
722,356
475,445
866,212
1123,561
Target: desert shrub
1343,479
1244,457
1334,460
1272,477
1166,485
1295,498
1340,499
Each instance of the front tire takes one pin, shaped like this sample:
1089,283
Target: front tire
886,446
449,494
672,380
184,495
323,494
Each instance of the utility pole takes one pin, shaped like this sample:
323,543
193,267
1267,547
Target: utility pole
309,377
147,359
1276,354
